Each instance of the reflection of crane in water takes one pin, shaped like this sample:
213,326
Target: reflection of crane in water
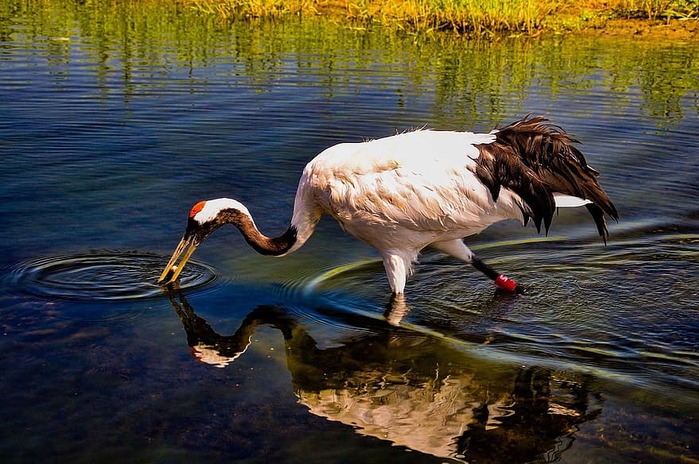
414,390
424,188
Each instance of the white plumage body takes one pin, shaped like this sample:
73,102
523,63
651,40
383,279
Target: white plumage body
400,194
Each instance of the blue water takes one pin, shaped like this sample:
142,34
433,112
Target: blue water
107,139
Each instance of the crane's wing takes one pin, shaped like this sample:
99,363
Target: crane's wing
539,161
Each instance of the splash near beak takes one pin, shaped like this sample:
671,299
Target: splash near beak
182,253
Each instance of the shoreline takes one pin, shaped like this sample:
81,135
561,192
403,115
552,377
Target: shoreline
646,29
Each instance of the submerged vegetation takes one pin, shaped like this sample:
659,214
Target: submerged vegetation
473,17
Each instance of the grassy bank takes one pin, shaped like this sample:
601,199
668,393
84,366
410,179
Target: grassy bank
472,17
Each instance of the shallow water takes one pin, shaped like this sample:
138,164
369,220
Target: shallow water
115,120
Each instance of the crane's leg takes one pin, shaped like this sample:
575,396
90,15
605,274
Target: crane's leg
458,249
398,267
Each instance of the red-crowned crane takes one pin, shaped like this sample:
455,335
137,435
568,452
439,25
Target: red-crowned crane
409,191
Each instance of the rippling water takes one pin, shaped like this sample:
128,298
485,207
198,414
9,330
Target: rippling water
101,275
116,120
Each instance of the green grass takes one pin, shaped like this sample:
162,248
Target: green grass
473,17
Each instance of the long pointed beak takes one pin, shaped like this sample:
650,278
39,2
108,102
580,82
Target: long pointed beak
182,253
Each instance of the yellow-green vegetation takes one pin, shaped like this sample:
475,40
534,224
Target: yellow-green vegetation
474,17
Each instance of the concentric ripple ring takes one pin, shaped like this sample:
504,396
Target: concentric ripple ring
102,275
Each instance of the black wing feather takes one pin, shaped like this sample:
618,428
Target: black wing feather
534,158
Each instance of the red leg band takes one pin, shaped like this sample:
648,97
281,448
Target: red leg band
506,283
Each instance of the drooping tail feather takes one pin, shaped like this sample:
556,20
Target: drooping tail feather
535,159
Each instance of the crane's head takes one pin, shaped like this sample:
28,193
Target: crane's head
204,218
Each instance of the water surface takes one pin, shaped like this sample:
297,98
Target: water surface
116,120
